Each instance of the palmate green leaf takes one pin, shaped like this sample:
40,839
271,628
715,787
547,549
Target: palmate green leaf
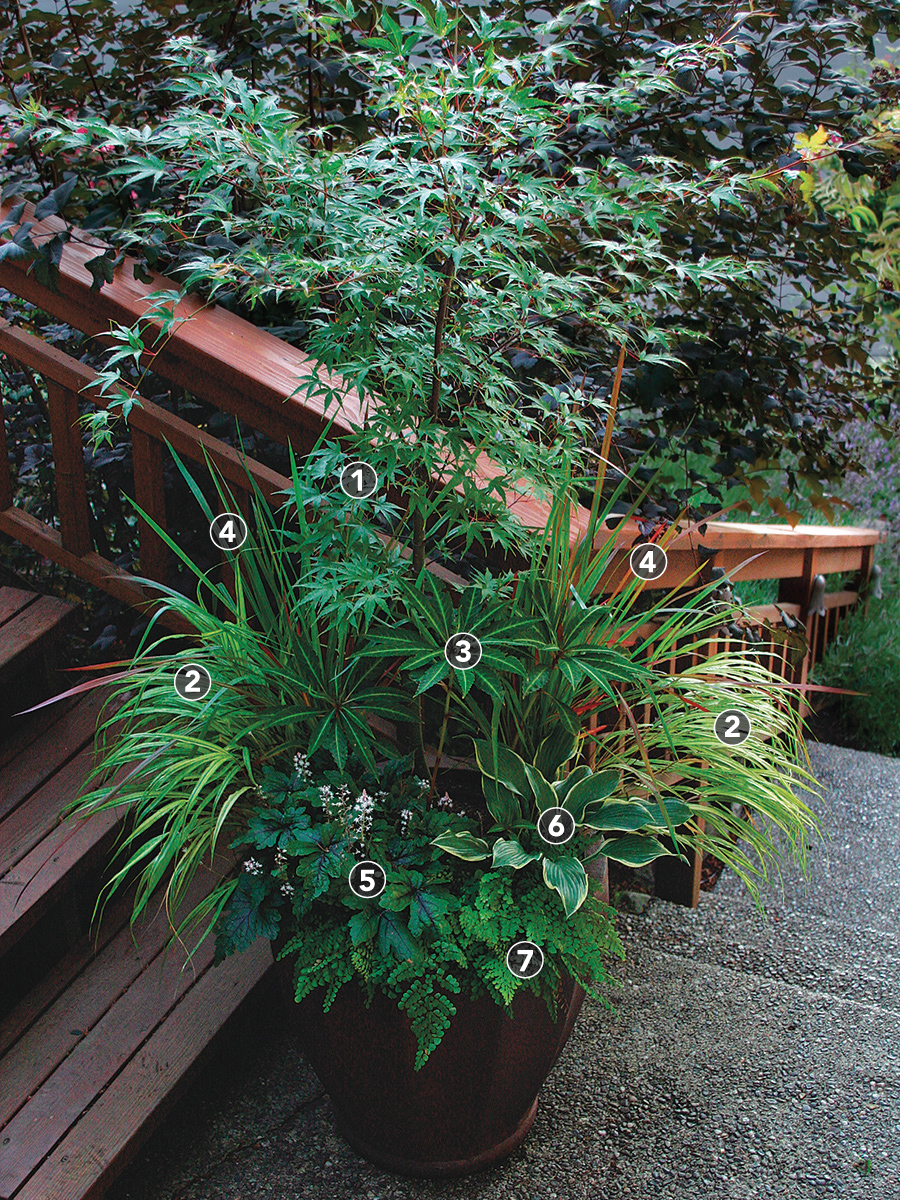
500,662
400,643
492,683
428,907
272,827
589,790
324,861
462,844
510,853
535,679
363,925
568,877
634,850
383,702
433,675
249,913
430,607
395,938
466,680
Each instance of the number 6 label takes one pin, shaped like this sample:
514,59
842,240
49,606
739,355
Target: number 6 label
525,960
556,825
732,727
367,879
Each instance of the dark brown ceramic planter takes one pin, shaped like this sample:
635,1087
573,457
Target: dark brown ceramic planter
471,1104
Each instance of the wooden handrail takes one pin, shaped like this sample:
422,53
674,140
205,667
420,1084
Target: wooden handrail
235,366
214,354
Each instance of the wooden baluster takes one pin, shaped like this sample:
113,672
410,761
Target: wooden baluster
798,590
6,490
68,461
149,492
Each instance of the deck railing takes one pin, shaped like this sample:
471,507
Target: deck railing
246,371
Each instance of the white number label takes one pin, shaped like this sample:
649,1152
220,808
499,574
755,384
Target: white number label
732,727
556,825
228,531
359,481
463,651
524,960
648,561
367,879
192,682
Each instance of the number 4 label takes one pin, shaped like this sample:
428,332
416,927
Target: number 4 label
648,561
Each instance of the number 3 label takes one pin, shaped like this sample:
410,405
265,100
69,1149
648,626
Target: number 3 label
463,651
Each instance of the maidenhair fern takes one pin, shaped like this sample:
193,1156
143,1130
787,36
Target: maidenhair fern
497,908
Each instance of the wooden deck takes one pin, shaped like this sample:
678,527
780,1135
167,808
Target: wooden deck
100,1029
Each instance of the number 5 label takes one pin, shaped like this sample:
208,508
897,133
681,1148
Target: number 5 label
367,879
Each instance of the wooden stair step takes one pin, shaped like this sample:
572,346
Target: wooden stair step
96,1071
72,730
31,629
13,601
42,873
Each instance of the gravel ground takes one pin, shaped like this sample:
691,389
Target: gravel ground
751,1056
